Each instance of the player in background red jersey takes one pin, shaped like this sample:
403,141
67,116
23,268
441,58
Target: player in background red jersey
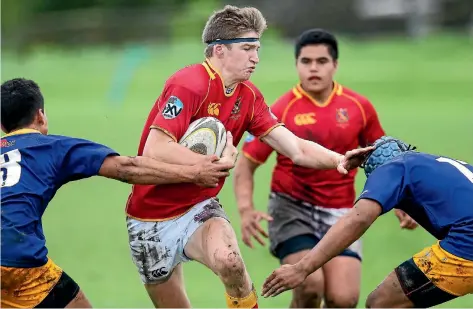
172,224
305,203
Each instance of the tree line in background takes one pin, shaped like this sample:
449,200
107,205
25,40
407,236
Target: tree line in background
27,23
41,6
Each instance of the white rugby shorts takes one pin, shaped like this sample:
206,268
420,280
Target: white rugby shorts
157,247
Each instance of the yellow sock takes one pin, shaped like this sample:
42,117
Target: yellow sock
250,301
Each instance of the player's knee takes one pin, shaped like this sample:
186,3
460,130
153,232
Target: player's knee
341,300
229,266
309,294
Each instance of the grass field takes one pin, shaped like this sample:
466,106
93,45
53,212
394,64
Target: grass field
422,91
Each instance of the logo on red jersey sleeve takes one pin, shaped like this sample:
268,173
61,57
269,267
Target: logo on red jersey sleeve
249,138
173,108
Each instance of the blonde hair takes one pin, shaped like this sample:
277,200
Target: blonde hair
232,22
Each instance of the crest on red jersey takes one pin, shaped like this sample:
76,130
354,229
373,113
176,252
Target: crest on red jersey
236,109
342,117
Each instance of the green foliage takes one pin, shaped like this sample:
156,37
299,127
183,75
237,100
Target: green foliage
54,5
28,24
41,6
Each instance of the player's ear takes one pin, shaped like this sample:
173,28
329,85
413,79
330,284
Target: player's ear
219,50
42,121
40,116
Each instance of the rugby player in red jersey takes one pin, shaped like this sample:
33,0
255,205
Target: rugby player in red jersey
172,224
305,203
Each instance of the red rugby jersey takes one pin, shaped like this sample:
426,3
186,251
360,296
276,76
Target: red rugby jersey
191,93
345,121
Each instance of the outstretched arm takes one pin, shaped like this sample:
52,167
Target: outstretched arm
339,237
344,233
312,155
143,170
83,158
300,151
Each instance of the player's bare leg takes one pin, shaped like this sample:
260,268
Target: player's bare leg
310,293
80,301
215,245
170,294
389,294
342,277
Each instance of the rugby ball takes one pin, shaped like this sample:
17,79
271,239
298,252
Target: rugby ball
206,136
